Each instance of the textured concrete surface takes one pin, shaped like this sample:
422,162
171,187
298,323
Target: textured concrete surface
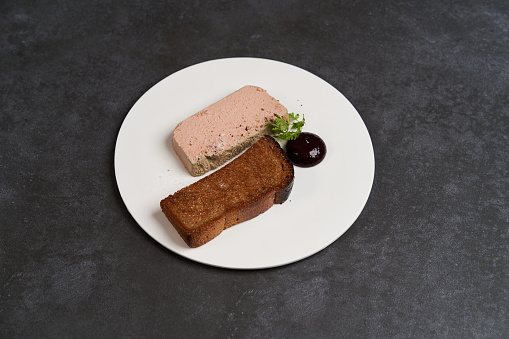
428,257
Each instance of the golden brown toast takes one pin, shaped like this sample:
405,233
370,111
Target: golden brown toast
246,187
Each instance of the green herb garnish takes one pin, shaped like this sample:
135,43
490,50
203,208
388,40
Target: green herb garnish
287,130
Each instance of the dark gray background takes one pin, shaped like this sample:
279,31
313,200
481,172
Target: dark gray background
428,256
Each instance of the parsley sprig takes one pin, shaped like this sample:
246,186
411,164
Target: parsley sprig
287,130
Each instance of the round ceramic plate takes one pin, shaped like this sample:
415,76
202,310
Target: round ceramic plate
325,201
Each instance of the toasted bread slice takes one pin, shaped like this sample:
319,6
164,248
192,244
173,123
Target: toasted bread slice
218,133
246,187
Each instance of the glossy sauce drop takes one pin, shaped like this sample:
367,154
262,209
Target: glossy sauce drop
307,150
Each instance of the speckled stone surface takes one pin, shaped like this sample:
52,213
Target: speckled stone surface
427,258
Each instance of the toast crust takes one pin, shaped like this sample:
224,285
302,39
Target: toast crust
241,190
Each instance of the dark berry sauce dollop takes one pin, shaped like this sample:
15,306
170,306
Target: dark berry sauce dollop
307,150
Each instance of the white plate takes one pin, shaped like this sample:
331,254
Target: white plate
325,201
